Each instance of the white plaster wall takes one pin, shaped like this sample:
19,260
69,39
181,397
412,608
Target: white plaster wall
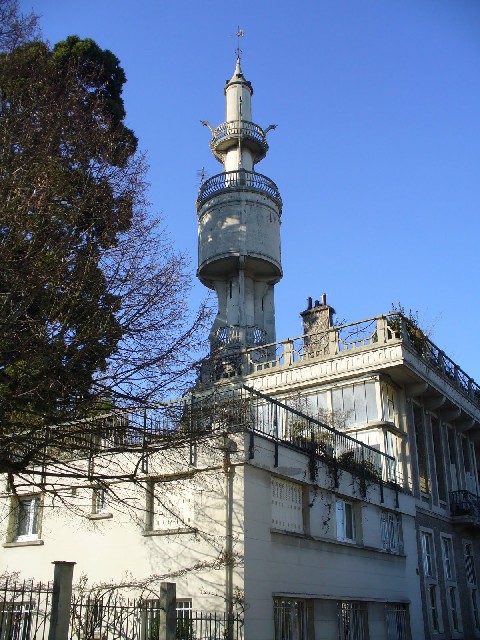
316,565
115,549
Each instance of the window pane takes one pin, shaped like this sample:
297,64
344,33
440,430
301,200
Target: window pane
348,521
447,558
469,564
432,594
371,399
427,549
337,400
421,449
348,405
452,593
360,403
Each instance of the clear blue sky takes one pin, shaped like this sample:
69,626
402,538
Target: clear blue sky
377,151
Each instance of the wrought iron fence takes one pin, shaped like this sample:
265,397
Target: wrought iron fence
24,610
113,616
201,625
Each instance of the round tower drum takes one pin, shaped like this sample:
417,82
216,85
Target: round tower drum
239,227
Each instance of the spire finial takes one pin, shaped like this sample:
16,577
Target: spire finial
238,51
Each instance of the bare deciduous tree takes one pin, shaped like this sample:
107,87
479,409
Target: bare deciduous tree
93,297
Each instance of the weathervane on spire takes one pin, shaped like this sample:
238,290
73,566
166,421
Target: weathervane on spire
240,33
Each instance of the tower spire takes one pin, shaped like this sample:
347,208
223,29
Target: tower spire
238,51
239,214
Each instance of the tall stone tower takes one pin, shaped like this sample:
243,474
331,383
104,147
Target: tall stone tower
239,214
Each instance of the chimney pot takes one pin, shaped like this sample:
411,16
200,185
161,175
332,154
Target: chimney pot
317,303
309,303
324,298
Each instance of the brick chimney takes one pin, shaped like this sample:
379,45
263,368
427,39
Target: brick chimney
317,320
318,316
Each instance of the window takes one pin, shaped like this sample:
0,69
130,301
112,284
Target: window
472,583
451,589
469,564
184,618
388,398
439,460
448,564
151,619
352,621
396,616
345,521
390,531
27,513
357,403
170,506
452,599
476,615
452,456
430,580
427,554
100,501
287,505
432,604
421,450
290,618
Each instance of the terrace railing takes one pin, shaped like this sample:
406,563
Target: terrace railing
356,336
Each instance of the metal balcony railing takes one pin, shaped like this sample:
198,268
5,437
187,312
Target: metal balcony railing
280,422
240,180
465,504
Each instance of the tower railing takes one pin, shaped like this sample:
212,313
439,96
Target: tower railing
238,180
243,128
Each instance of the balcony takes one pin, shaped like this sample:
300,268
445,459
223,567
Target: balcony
465,507
229,133
240,180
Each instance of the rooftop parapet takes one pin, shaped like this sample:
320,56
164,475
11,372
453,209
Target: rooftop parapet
364,335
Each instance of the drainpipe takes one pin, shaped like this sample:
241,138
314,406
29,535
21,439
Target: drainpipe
229,470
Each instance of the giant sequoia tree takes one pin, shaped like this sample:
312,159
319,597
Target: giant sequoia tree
92,296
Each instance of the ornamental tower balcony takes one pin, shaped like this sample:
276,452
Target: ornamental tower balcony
239,213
